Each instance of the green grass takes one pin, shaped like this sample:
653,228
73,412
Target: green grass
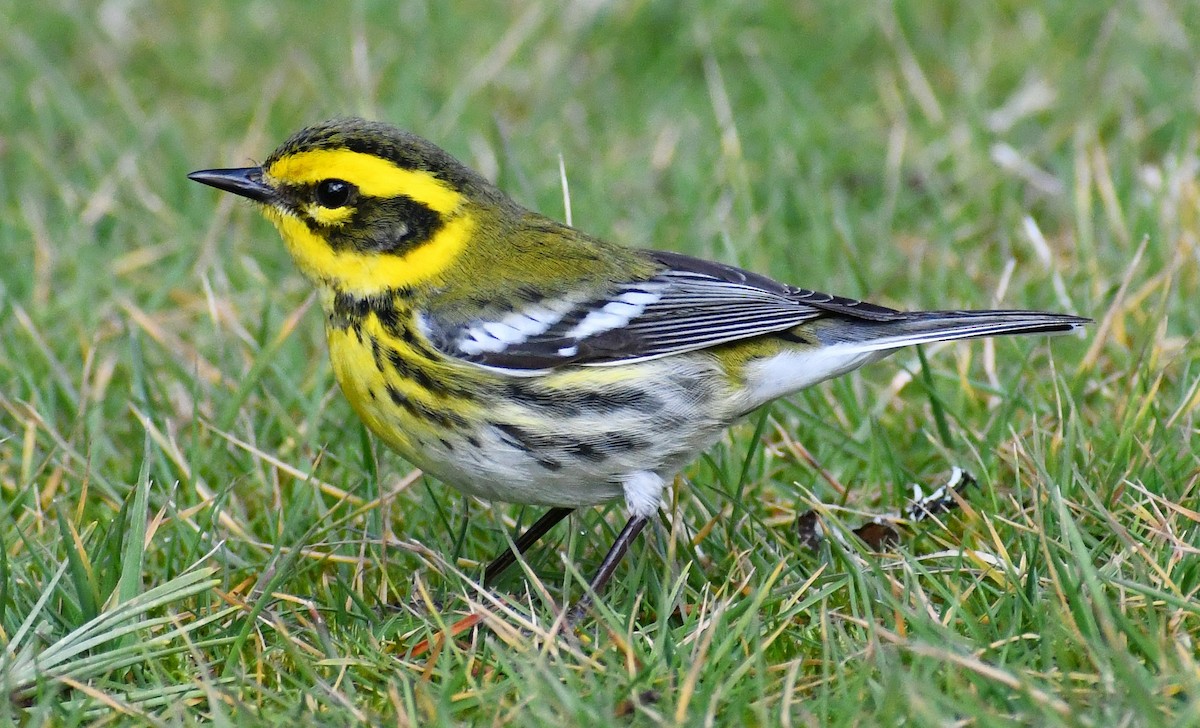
166,407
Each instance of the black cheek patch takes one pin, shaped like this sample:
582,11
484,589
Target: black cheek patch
395,225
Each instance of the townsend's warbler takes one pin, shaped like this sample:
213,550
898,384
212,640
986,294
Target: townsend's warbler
521,360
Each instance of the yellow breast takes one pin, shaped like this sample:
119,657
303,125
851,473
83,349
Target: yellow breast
363,383
405,392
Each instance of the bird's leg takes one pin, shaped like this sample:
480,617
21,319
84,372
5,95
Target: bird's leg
627,536
643,494
528,538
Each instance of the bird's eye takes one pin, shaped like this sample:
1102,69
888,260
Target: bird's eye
334,193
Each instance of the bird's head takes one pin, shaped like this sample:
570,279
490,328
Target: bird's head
363,206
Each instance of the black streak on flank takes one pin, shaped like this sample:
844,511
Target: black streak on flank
406,333
569,403
377,353
399,324
350,313
548,463
408,336
414,369
637,399
530,443
389,316
400,400
620,442
441,418
414,372
594,448
516,436
588,452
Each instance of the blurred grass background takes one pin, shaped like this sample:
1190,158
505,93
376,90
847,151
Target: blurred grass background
166,406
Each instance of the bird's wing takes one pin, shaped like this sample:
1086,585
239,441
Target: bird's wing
688,304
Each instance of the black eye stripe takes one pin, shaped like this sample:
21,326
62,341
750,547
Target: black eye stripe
385,225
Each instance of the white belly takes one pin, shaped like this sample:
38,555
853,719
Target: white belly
578,450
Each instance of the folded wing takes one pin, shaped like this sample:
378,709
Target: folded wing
689,304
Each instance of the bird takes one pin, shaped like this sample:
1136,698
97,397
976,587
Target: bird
521,360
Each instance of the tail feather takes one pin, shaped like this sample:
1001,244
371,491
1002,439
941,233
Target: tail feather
926,327
850,342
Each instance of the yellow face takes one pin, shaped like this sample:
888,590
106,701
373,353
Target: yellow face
358,220
362,224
